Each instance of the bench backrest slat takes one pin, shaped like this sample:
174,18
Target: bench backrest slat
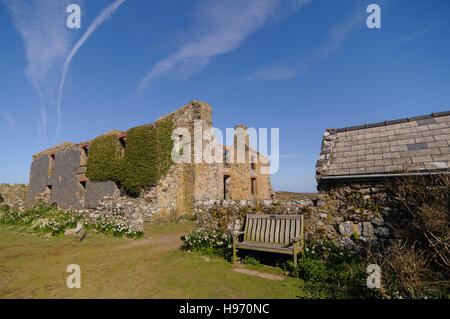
275,229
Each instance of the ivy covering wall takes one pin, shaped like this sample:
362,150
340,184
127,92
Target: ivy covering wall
147,157
104,159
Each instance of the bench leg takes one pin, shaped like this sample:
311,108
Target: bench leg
234,253
295,260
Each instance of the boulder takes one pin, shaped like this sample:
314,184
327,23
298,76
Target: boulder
80,235
379,221
368,230
46,236
74,230
346,228
382,232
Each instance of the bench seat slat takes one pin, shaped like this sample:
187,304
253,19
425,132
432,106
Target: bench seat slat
248,234
292,229
277,231
267,232
258,230
266,247
287,230
262,230
297,228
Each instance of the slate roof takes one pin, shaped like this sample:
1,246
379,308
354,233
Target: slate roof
413,144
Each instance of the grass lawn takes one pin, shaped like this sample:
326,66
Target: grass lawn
152,267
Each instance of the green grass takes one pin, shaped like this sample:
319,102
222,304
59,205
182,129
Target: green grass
290,196
152,267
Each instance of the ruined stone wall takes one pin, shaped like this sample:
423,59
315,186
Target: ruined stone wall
124,209
57,182
95,192
174,195
14,195
352,216
230,214
66,191
38,178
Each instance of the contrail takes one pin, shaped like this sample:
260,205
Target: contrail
105,15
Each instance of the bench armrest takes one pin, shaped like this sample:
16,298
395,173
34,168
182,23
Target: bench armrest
296,239
237,234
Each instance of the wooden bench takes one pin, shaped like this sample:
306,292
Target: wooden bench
272,233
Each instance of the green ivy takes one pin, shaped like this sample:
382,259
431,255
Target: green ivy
140,169
147,157
104,159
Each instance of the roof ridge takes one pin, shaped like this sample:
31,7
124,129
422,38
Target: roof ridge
385,123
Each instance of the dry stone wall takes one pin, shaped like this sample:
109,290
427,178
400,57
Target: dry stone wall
351,216
14,195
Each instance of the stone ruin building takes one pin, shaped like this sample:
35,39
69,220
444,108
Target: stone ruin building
59,176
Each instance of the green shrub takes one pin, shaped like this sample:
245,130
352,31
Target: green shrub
210,242
248,260
4,208
332,271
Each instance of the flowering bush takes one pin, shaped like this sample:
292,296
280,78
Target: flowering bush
117,228
209,241
45,218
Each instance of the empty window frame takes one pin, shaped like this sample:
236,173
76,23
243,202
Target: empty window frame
253,163
226,159
84,154
226,186
51,163
123,141
253,185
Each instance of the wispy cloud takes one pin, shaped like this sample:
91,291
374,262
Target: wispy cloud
9,119
225,26
48,42
105,15
332,44
41,23
418,33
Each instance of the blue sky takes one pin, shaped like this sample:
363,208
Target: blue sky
297,65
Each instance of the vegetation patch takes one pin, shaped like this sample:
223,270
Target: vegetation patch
104,162
44,218
332,271
418,266
147,157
